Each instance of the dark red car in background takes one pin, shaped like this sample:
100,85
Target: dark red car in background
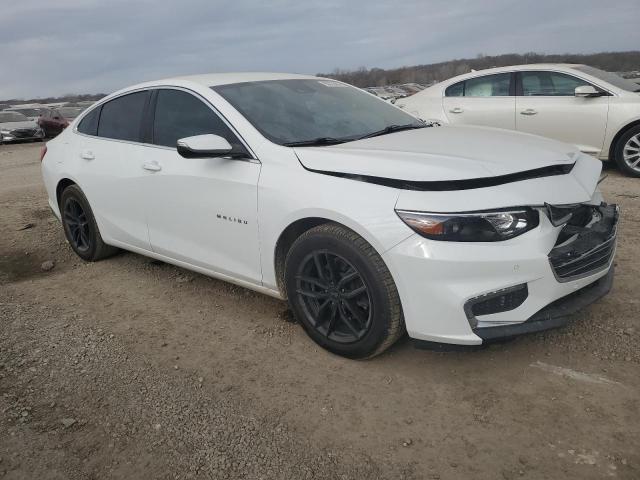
54,120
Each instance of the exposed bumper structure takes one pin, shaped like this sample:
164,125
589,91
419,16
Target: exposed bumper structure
476,293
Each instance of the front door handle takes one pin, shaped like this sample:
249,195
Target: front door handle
152,166
87,155
456,110
528,111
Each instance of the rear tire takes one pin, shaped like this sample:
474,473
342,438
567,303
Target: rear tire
342,293
80,226
627,152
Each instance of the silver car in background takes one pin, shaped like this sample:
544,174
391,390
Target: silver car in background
14,126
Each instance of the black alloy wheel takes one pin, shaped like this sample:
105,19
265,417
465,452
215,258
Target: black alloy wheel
342,293
76,220
334,296
80,226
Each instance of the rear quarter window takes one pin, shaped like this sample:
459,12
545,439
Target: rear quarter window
455,90
89,124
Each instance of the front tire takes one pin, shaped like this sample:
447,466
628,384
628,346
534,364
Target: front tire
342,293
80,226
627,152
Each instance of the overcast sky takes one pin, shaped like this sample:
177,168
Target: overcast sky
88,46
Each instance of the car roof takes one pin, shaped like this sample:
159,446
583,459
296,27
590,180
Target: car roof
213,79
511,68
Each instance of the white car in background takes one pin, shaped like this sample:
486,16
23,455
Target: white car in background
368,221
597,111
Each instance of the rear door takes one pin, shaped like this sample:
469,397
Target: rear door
488,100
546,105
108,173
202,211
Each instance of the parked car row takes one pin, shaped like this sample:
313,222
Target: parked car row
597,111
15,126
23,123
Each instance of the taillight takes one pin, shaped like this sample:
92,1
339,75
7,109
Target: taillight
43,152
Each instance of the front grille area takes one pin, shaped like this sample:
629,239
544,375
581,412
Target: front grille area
586,243
24,133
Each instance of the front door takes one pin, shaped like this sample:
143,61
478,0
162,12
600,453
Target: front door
202,211
547,106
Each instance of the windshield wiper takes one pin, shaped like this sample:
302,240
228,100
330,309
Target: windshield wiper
315,142
393,129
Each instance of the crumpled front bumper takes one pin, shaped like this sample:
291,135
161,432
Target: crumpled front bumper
438,280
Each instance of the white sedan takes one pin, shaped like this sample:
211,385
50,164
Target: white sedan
370,222
597,111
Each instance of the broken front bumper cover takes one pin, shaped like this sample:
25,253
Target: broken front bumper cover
556,314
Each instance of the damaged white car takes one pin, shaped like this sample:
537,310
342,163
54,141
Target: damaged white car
368,221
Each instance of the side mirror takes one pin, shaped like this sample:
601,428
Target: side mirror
587,91
204,146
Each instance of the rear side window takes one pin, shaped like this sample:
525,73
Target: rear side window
121,118
549,84
498,85
89,124
488,86
179,114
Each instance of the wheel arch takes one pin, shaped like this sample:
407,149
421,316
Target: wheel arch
620,133
285,241
61,185
297,227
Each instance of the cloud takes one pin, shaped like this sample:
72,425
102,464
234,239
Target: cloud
85,46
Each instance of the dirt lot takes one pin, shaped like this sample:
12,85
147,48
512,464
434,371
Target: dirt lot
130,368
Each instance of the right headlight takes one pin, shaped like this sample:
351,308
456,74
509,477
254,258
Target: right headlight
491,226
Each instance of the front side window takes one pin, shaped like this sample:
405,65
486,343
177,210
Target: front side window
307,110
549,84
179,114
121,118
488,86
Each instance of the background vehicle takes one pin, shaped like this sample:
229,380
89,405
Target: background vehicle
597,111
31,113
15,126
54,120
358,216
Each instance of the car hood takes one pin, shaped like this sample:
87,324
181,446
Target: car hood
15,125
439,154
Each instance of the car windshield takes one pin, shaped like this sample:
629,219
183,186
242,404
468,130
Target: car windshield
12,117
29,112
609,77
313,112
70,112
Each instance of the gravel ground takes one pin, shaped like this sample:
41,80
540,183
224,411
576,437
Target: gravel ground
130,368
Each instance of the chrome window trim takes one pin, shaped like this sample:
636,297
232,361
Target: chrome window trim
591,82
253,157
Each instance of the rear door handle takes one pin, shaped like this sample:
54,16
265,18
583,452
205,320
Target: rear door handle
87,155
456,110
528,111
152,166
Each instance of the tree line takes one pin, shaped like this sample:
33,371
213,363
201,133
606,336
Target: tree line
436,72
